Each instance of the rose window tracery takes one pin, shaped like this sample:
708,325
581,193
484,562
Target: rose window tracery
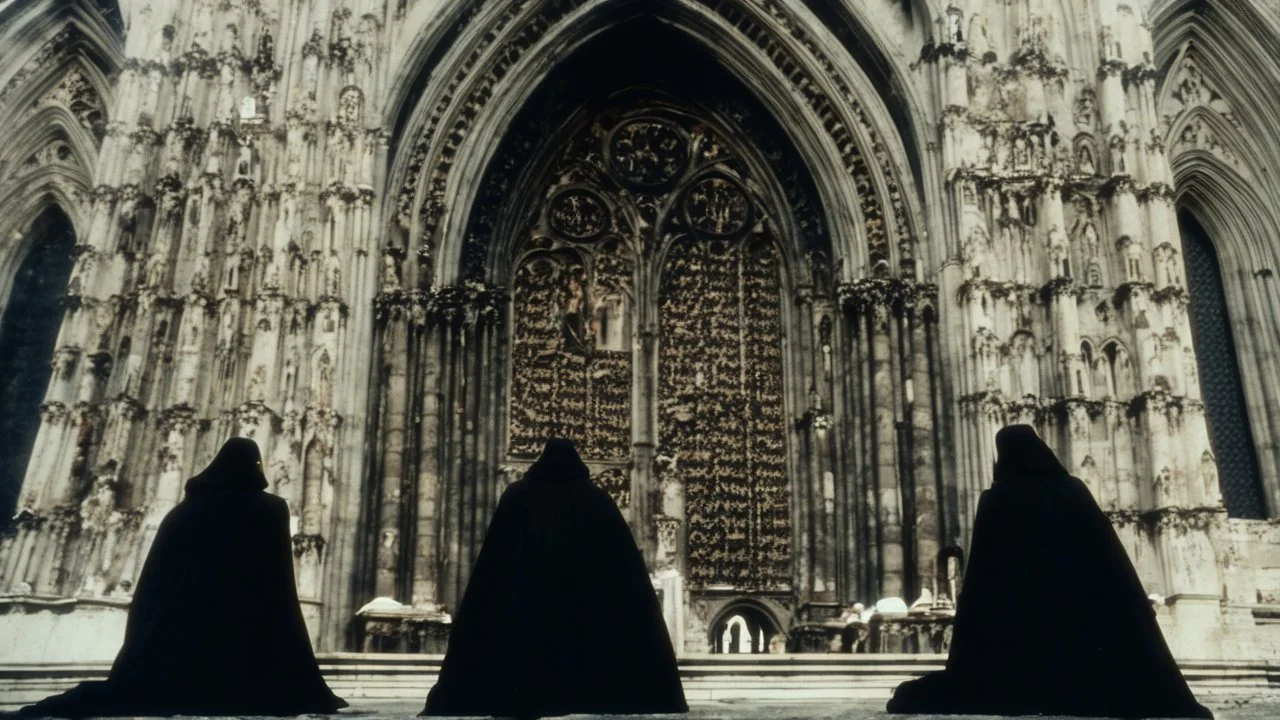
717,206
648,152
578,215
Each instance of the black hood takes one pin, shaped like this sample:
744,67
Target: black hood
1021,451
238,466
559,461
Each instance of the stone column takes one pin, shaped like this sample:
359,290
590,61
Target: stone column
394,440
919,399
431,355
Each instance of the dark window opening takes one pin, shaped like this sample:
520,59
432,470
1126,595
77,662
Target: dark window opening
29,327
1220,383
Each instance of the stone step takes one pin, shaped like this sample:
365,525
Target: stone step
707,678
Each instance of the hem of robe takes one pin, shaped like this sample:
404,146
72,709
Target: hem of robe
102,699
939,693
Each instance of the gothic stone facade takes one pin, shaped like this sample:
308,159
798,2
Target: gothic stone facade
782,267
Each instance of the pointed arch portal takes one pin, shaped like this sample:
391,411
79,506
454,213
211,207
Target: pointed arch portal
1220,377
30,318
660,265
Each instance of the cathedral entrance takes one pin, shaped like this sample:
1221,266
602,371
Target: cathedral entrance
649,222
639,261
652,274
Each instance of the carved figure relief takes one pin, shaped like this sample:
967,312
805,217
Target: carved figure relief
719,390
350,107
717,302
1086,109
563,382
1085,164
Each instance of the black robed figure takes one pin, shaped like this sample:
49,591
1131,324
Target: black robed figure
214,627
1052,618
559,616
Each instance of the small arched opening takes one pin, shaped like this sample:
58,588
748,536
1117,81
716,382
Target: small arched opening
744,628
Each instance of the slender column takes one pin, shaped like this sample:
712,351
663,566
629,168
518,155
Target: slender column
888,494
454,502
920,401
869,537
426,574
395,390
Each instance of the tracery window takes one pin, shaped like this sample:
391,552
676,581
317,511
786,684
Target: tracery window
1220,383
654,197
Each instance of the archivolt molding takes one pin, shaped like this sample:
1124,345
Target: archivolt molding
453,125
54,104
1243,229
76,39
1219,113
1231,209
24,200
1202,131
1214,95
1219,116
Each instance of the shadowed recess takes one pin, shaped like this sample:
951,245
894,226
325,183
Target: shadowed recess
29,324
1223,392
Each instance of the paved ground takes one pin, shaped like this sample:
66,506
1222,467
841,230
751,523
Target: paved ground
1224,708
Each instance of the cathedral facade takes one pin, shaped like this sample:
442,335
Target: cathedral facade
781,268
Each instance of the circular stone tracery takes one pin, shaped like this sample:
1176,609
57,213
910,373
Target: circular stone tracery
717,206
648,153
578,214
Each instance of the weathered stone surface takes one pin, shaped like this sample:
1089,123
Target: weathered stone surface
786,300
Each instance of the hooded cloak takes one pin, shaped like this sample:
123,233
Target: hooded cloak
559,616
1052,618
215,627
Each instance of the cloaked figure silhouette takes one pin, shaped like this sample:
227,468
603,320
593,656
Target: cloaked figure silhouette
560,616
1041,551
214,627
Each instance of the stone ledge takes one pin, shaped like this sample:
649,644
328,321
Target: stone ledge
762,678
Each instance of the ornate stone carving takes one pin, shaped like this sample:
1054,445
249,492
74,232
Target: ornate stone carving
578,214
616,482
717,206
648,153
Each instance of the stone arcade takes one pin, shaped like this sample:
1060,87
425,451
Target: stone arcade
781,267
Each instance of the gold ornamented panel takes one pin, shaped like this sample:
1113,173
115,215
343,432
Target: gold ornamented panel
721,412
548,392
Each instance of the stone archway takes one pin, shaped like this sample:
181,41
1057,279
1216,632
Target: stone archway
571,265
31,312
651,255
744,626
855,503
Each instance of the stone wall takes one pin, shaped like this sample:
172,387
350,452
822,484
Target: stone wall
301,222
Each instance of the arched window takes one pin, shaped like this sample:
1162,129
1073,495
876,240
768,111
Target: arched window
29,322
1220,384
1084,374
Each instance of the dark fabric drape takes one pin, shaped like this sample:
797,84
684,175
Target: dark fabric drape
1052,618
560,616
215,627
